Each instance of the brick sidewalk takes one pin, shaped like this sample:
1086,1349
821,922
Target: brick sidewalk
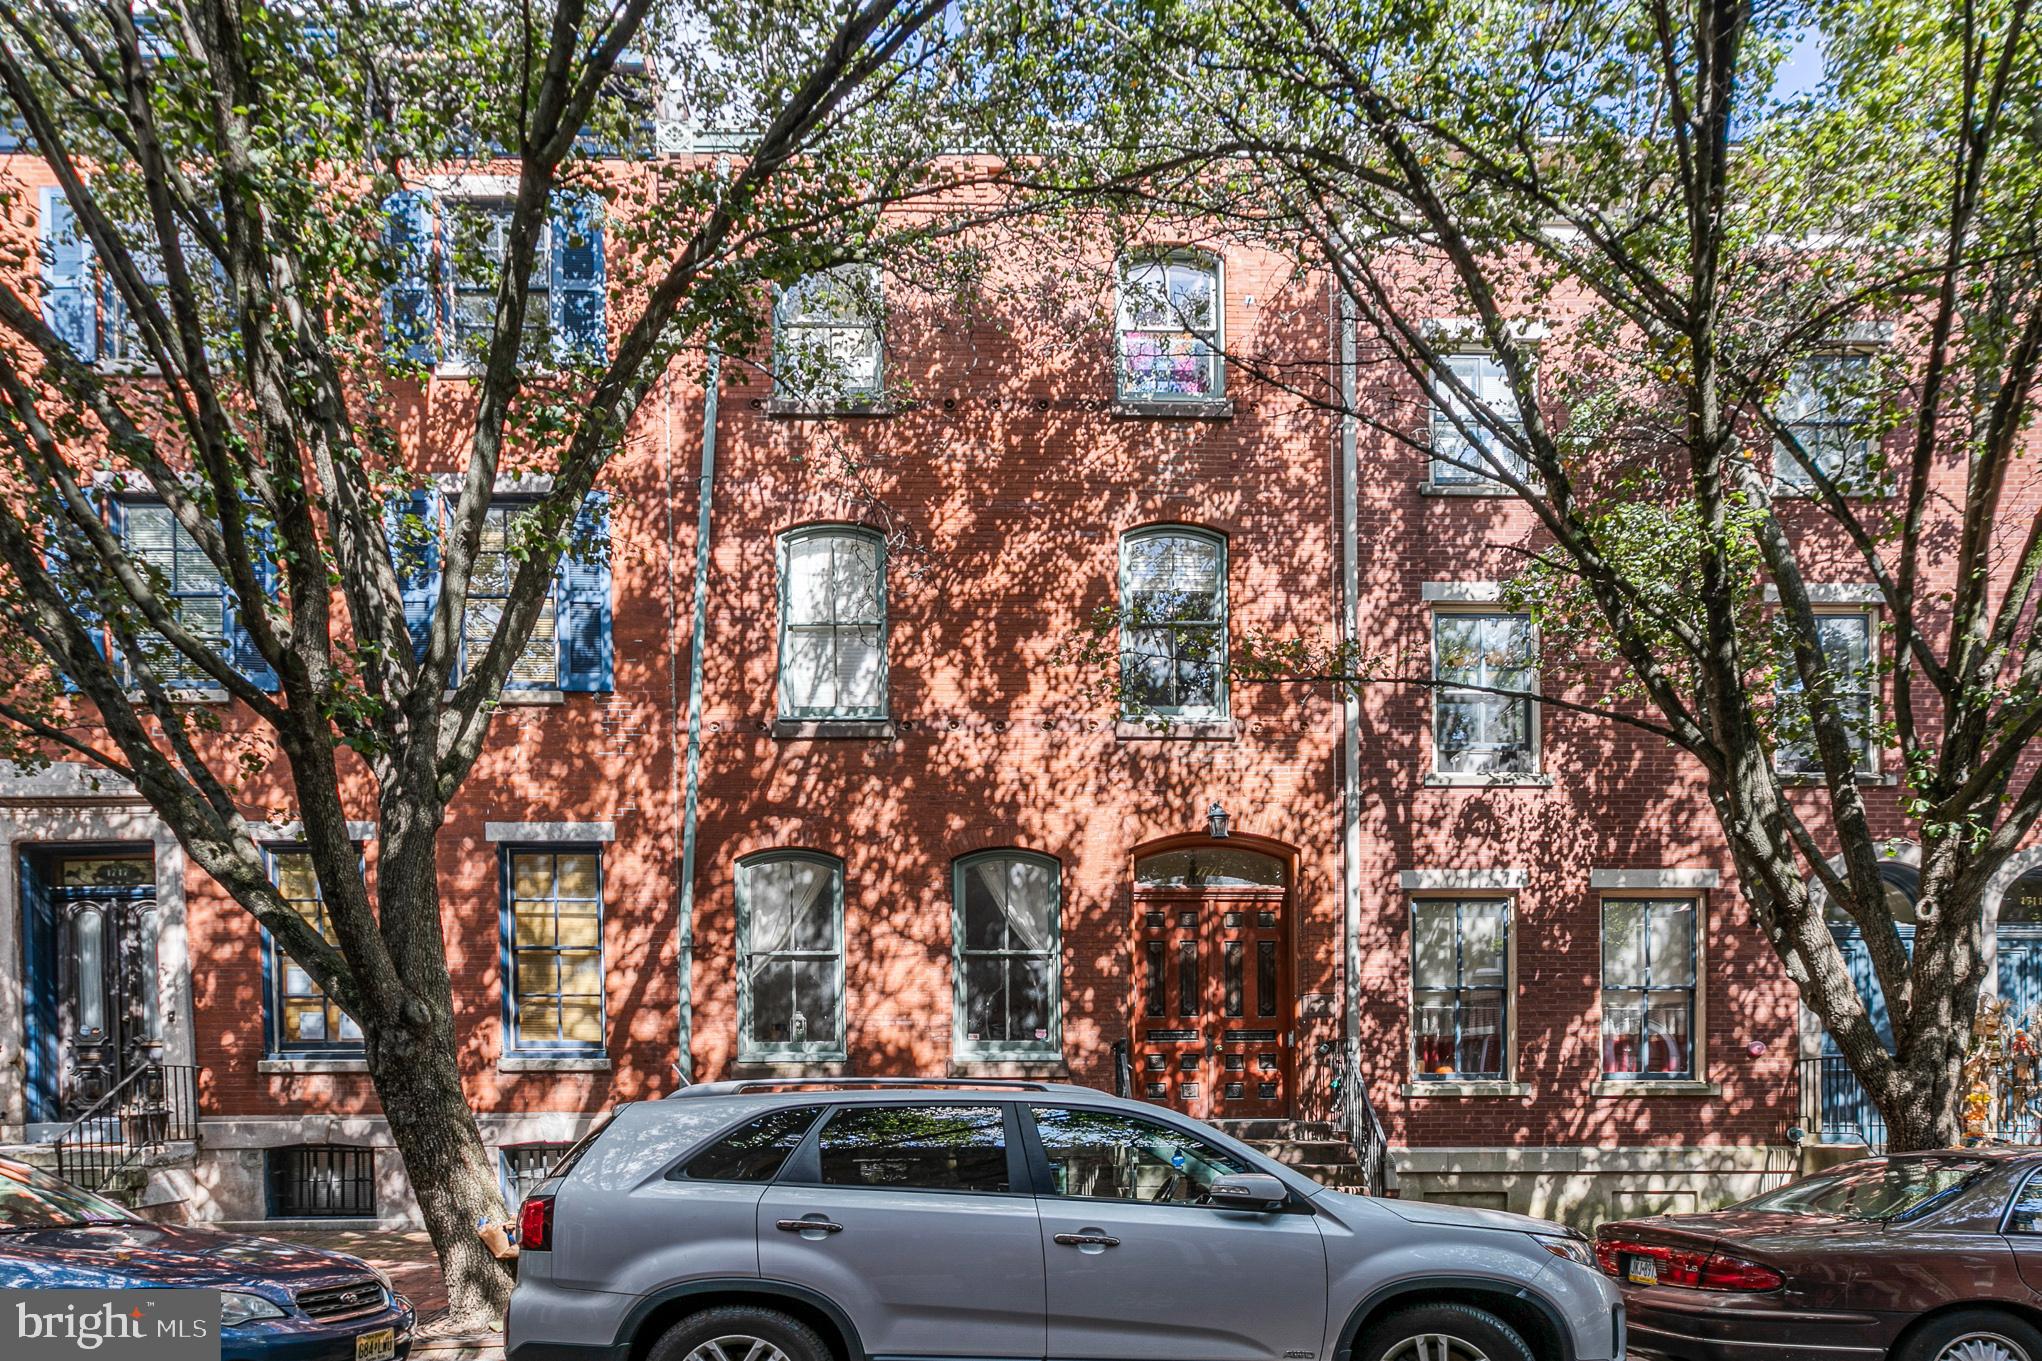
409,1259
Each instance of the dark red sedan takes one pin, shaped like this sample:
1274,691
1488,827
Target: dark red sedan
1913,1257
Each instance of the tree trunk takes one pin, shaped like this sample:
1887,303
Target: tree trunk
418,1078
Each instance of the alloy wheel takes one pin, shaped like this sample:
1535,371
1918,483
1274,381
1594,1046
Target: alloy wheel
738,1347
1983,1347
1440,1347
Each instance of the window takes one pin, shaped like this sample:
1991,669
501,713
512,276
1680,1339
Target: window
81,304
489,587
196,592
1105,1155
553,945
321,1181
1170,308
1825,406
829,338
1474,730
448,256
1006,932
790,945
916,1148
832,624
1648,987
756,1150
1209,867
1461,972
1846,642
525,1166
1173,634
1471,459
569,648
303,1019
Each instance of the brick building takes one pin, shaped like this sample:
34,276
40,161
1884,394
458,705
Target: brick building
910,840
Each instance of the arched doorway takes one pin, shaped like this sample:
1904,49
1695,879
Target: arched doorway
2019,938
1212,1028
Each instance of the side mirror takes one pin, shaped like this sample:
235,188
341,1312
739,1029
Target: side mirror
1248,1191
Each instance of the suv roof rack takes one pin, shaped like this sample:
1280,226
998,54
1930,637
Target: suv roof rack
853,1084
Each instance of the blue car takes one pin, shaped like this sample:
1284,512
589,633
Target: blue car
278,1301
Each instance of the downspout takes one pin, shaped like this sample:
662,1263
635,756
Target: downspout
705,494
1350,699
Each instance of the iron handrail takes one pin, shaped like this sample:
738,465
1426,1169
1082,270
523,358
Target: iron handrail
1364,1129
153,1106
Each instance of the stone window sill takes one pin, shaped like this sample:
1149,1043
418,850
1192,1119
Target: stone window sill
211,695
1048,1069
1800,491
802,409
1418,1091
1449,780
547,1063
1202,409
827,729
1620,1088
1814,781
1175,730
760,1069
1491,492
312,1065
507,697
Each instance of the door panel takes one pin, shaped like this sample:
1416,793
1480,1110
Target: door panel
1212,1028
1137,1267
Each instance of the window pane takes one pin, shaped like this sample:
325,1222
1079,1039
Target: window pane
1435,952
1483,932
756,1150
861,670
856,585
1623,1028
1432,1028
809,591
1482,1025
1105,1155
936,1148
1209,865
1673,944
1667,1019
1623,944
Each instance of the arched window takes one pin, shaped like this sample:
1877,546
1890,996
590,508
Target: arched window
832,623
1173,632
2021,904
1006,929
828,337
1169,328
790,957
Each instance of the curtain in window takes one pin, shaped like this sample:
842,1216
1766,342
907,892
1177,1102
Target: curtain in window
1169,329
1173,656
828,336
793,968
833,644
1007,953
1471,459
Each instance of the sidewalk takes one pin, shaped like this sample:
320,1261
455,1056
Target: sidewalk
408,1257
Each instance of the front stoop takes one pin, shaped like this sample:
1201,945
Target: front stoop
1318,1150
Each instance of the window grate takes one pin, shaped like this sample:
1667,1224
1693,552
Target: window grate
321,1181
526,1165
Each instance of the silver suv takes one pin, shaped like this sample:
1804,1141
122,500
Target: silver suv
874,1219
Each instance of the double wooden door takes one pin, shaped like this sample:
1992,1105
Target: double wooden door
1213,1016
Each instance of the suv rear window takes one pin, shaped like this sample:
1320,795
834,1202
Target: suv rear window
921,1148
756,1150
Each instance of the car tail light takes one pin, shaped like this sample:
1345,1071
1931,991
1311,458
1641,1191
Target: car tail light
1658,1264
535,1225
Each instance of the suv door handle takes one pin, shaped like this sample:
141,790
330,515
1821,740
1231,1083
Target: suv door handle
808,1226
1088,1240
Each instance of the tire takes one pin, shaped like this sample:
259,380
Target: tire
1974,1335
741,1332
1445,1332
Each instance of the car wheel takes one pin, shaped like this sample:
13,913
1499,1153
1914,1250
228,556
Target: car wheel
1975,1335
1445,1332
739,1332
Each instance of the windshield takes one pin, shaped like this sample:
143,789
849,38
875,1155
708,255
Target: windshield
1888,1189
34,1200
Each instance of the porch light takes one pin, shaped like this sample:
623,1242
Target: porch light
1216,821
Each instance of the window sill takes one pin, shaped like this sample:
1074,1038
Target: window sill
312,1065
757,1069
562,1063
801,409
1418,1091
509,697
826,729
1813,780
1200,409
1493,492
1456,780
1801,491
1619,1088
1175,730
1047,1068
210,695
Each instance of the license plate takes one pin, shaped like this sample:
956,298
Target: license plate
380,1345
1642,1271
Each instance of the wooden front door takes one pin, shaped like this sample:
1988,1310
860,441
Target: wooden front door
1212,1032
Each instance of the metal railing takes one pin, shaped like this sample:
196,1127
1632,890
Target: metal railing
1841,1111
153,1106
1364,1130
1123,1069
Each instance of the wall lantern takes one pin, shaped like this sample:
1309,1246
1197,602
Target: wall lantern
1216,822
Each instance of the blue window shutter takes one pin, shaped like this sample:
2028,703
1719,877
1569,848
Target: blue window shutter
409,312
81,605
244,655
577,293
581,608
416,556
67,278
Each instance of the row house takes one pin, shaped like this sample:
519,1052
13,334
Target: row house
796,777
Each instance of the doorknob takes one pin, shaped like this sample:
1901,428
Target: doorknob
807,1226
1088,1240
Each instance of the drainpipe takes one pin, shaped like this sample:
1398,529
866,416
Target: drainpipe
705,489
1350,699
